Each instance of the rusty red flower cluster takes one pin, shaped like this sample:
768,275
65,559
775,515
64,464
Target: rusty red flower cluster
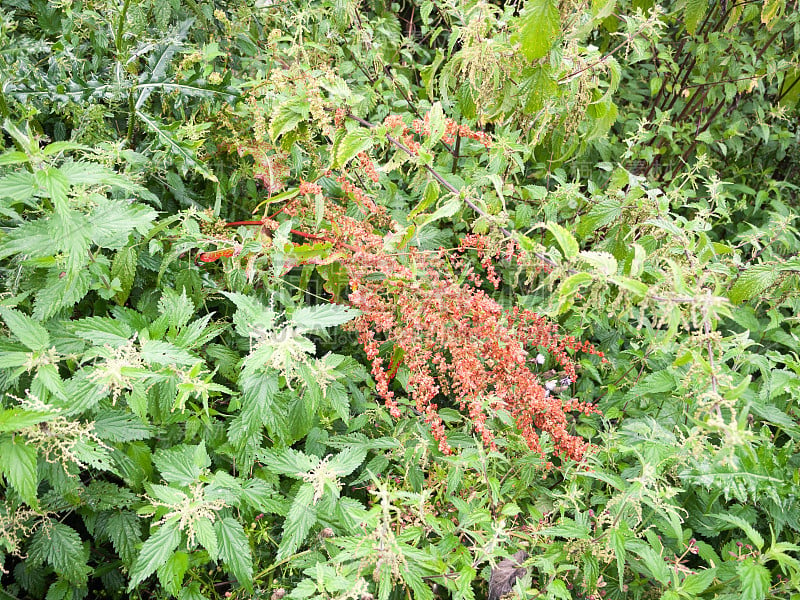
422,128
460,346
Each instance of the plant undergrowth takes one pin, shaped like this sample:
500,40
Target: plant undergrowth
336,299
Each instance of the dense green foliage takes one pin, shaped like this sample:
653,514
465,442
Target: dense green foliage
194,408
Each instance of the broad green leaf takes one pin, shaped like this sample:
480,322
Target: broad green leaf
301,517
19,187
749,530
355,141
124,529
207,536
753,282
102,330
56,185
12,157
572,284
234,550
170,573
18,464
25,329
320,316
288,461
755,580
251,316
694,11
697,583
566,241
14,419
637,287
286,116
114,220
60,546
117,426
155,551
539,27
182,464
347,461
164,353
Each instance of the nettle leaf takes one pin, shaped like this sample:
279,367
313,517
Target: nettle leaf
347,461
753,281
62,289
123,268
14,419
61,547
102,330
234,550
114,220
182,464
301,517
755,580
18,187
117,426
18,465
207,536
164,353
251,316
288,115
155,551
320,316
170,574
25,329
288,461
124,530
694,10
566,241
355,141
539,28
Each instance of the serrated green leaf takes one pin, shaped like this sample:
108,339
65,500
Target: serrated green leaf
13,157
124,530
539,26
694,10
320,316
566,241
207,537
286,116
14,419
355,141
18,465
155,551
114,220
117,426
234,550
179,151
755,580
182,464
164,353
301,517
60,546
102,330
25,329
749,530
288,461
171,572
753,281
347,461
572,284
697,583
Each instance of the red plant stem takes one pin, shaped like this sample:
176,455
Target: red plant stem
237,223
